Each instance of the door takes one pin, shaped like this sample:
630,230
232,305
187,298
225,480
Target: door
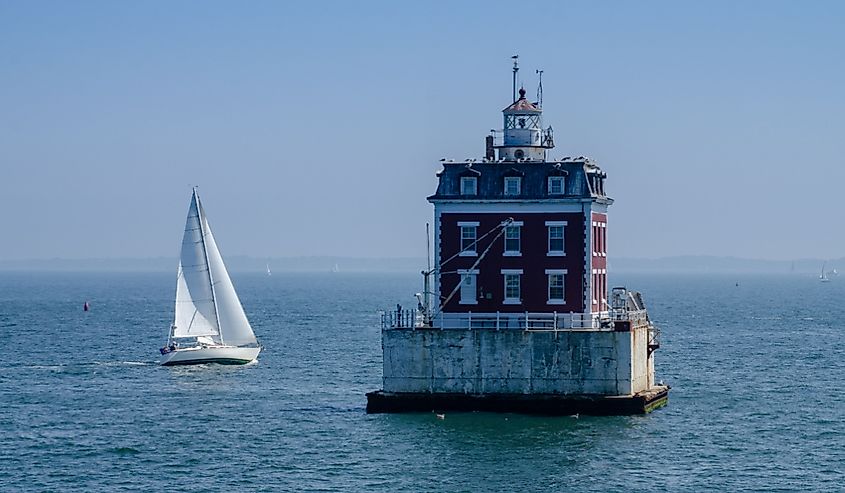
468,291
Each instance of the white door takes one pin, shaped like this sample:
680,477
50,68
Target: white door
468,291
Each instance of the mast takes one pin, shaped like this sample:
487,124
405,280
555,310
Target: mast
426,278
208,264
515,70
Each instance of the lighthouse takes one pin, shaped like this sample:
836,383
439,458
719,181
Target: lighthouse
516,314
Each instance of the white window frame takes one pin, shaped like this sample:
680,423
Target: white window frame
465,274
517,252
513,179
549,226
467,252
599,246
467,180
603,239
555,272
506,273
599,289
562,180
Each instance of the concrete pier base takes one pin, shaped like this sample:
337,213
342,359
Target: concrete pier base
541,404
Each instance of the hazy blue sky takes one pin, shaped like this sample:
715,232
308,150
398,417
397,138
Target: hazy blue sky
315,128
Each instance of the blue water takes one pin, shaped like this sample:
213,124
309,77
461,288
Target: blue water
756,405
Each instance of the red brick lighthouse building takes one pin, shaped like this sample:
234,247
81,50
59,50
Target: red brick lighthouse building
515,315
519,234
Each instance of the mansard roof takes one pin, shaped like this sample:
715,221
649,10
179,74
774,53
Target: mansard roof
534,184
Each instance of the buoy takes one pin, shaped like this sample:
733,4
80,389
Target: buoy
85,307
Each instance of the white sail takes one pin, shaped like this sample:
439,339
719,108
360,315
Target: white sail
195,311
234,326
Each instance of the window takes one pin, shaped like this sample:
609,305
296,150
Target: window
468,237
469,185
513,185
512,239
603,250
513,292
595,239
512,287
521,121
600,289
600,242
556,243
556,287
468,283
556,185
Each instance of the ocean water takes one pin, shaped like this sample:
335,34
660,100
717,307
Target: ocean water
756,369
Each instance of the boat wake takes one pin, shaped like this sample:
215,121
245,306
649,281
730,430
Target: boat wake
85,367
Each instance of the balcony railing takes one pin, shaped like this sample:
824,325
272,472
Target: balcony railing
636,317
413,319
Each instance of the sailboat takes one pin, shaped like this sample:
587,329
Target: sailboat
823,276
268,271
210,325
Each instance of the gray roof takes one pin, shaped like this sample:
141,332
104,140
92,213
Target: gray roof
534,184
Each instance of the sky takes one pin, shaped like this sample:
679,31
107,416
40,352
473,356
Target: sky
316,128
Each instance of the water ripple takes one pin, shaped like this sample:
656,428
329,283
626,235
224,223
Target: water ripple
755,405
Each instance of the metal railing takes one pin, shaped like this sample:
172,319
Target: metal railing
636,317
401,319
413,319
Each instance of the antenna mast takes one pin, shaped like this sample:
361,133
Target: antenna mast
426,280
515,70
427,247
540,89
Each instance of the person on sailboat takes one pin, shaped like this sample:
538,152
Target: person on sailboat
167,349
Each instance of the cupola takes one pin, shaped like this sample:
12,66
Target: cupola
523,136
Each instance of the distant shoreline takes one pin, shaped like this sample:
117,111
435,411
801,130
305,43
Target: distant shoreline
674,264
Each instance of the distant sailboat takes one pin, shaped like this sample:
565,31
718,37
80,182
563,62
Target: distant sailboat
335,268
210,325
823,276
268,271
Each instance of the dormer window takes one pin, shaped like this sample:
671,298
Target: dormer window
469,185
556,185
513,185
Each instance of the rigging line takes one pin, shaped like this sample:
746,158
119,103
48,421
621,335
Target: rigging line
503,227
504,223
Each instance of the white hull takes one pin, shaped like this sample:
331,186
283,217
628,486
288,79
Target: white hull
230,355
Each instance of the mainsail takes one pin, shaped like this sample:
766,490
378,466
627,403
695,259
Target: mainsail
195,311
206,302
